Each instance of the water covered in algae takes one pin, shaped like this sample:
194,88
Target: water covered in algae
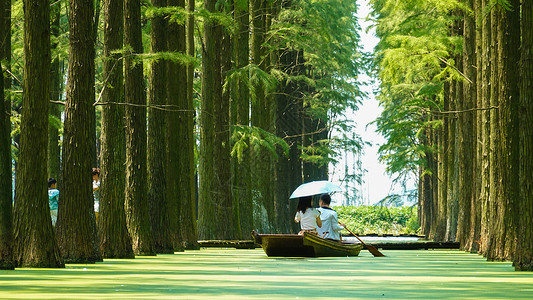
250,274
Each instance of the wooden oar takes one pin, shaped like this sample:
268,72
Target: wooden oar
368,247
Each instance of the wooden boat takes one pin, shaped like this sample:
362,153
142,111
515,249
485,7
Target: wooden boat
307,245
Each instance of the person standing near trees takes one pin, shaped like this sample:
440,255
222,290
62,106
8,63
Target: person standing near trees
53,199
308,216
331,227
96,191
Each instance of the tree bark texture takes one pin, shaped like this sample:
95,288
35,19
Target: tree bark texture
76,227
137,214
6,204
475,206
186,170
34,237
452,167
523,260
440,220
222,180
509,93
177,95
488,242
466,134
260,115
115,241
157,140
485,130
240,112
207,226
188,213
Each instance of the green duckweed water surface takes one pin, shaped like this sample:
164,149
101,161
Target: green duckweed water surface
249,274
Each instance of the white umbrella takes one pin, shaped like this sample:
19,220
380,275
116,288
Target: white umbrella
315,188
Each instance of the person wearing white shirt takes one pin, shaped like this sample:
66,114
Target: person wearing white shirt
331,228
308,216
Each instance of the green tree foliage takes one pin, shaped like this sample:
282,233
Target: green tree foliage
379,219
326,32
413,59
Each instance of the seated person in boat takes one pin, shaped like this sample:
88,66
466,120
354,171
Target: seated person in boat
308,216
331,228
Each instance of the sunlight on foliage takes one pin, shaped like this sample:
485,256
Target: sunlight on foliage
379,219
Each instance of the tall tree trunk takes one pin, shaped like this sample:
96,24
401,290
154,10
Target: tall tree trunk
224,203
115,241
475,208
263,204
54,151
240,112
76,227
6,204
440,220
207,226
137,214
177,95
523,259
485,129
425,202
452,167
509,94
35,244
466,185
487,242
157,139
188,182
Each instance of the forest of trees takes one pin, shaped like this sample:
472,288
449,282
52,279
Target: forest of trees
456,88
204,116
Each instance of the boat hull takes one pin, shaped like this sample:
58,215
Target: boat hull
307,245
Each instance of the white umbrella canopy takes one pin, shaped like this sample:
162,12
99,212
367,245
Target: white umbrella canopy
315,188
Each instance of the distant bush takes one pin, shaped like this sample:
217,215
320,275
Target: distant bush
379,219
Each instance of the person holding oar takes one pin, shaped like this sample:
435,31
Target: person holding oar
331,228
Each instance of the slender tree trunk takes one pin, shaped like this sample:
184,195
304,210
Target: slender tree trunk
33,233
440,220
115,241
466,185
494,154
452,167
425,195
222,138
263,204
485,129
54,150
188,183
240,111
6,204
157,139
137,214
76,227
475,208
207,226
433,164
177,95
523,260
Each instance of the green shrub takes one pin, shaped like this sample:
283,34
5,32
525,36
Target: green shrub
379,219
